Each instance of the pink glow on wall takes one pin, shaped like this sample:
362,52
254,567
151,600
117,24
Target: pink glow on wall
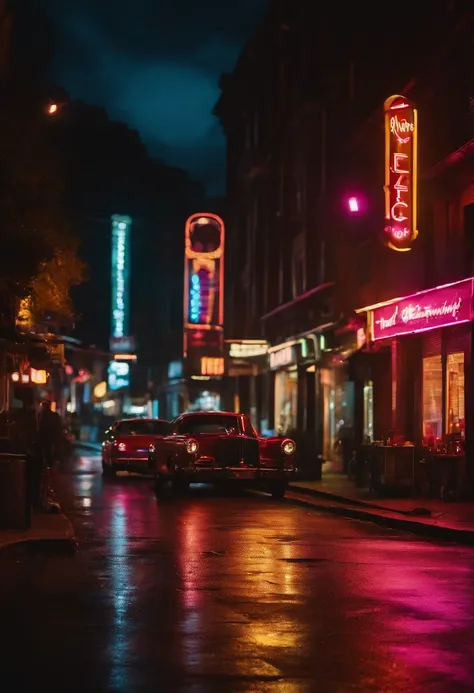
428,310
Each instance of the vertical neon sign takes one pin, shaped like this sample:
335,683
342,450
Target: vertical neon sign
120,276
195,299
401,152
203,280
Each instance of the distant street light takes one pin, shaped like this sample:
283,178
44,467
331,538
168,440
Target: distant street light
52,108
353,204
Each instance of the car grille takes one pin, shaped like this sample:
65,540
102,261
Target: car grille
231,451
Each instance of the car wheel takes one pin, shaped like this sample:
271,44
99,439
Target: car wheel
158,485
151,465
278,491
107,469
179,486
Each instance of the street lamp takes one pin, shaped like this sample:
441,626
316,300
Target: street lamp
52,108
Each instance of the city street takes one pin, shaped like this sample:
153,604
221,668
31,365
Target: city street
237,593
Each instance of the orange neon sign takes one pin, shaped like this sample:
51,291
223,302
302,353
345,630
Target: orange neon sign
212,366
203,274
401,153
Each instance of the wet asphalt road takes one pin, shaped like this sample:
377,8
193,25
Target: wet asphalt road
226,594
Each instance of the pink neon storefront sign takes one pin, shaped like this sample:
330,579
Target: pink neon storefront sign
427,310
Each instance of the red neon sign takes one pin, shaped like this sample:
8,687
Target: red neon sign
401,150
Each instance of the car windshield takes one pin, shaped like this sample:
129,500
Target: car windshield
144,428
208,423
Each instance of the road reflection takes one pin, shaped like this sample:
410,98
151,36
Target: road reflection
122,588
424,610
212,588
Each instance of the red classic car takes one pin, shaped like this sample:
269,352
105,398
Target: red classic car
127,443
220,447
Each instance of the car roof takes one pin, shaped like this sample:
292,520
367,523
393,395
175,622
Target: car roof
209,413
140,418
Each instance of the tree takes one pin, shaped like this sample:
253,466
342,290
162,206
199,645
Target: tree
38,253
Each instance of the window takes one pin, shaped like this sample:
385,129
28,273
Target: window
455,422
432,397
208,423
248,428
286,401
143,427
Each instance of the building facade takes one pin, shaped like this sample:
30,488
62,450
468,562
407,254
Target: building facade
304,122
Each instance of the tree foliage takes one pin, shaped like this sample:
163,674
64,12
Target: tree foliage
52,283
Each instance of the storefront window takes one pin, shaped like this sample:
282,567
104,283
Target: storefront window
455,422
432,397
206,401
338,422
286,401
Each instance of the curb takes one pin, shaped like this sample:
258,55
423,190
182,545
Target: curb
66,542
66,546
459,536
326,495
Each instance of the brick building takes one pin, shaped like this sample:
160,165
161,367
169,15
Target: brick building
303,117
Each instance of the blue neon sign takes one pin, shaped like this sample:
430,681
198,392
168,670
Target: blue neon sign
118,375
120,276
195,299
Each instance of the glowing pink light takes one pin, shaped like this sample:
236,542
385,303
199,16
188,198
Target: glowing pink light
353,204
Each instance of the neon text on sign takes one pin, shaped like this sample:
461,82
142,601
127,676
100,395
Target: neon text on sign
120,275
195,299
428,310
283,357
247,350
118,375
212,366
401,150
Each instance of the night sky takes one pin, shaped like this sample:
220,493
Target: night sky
155,64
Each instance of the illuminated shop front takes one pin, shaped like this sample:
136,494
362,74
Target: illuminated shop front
283,362
427,341
337,415
345,390
246,369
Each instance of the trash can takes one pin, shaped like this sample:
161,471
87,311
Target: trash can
15,509
315,471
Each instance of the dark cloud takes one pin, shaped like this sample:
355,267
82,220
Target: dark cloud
156,65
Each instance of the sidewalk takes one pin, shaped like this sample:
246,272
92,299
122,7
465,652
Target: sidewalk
45,527
94,447
424,516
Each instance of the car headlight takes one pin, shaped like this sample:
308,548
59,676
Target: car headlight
288,447
191,446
